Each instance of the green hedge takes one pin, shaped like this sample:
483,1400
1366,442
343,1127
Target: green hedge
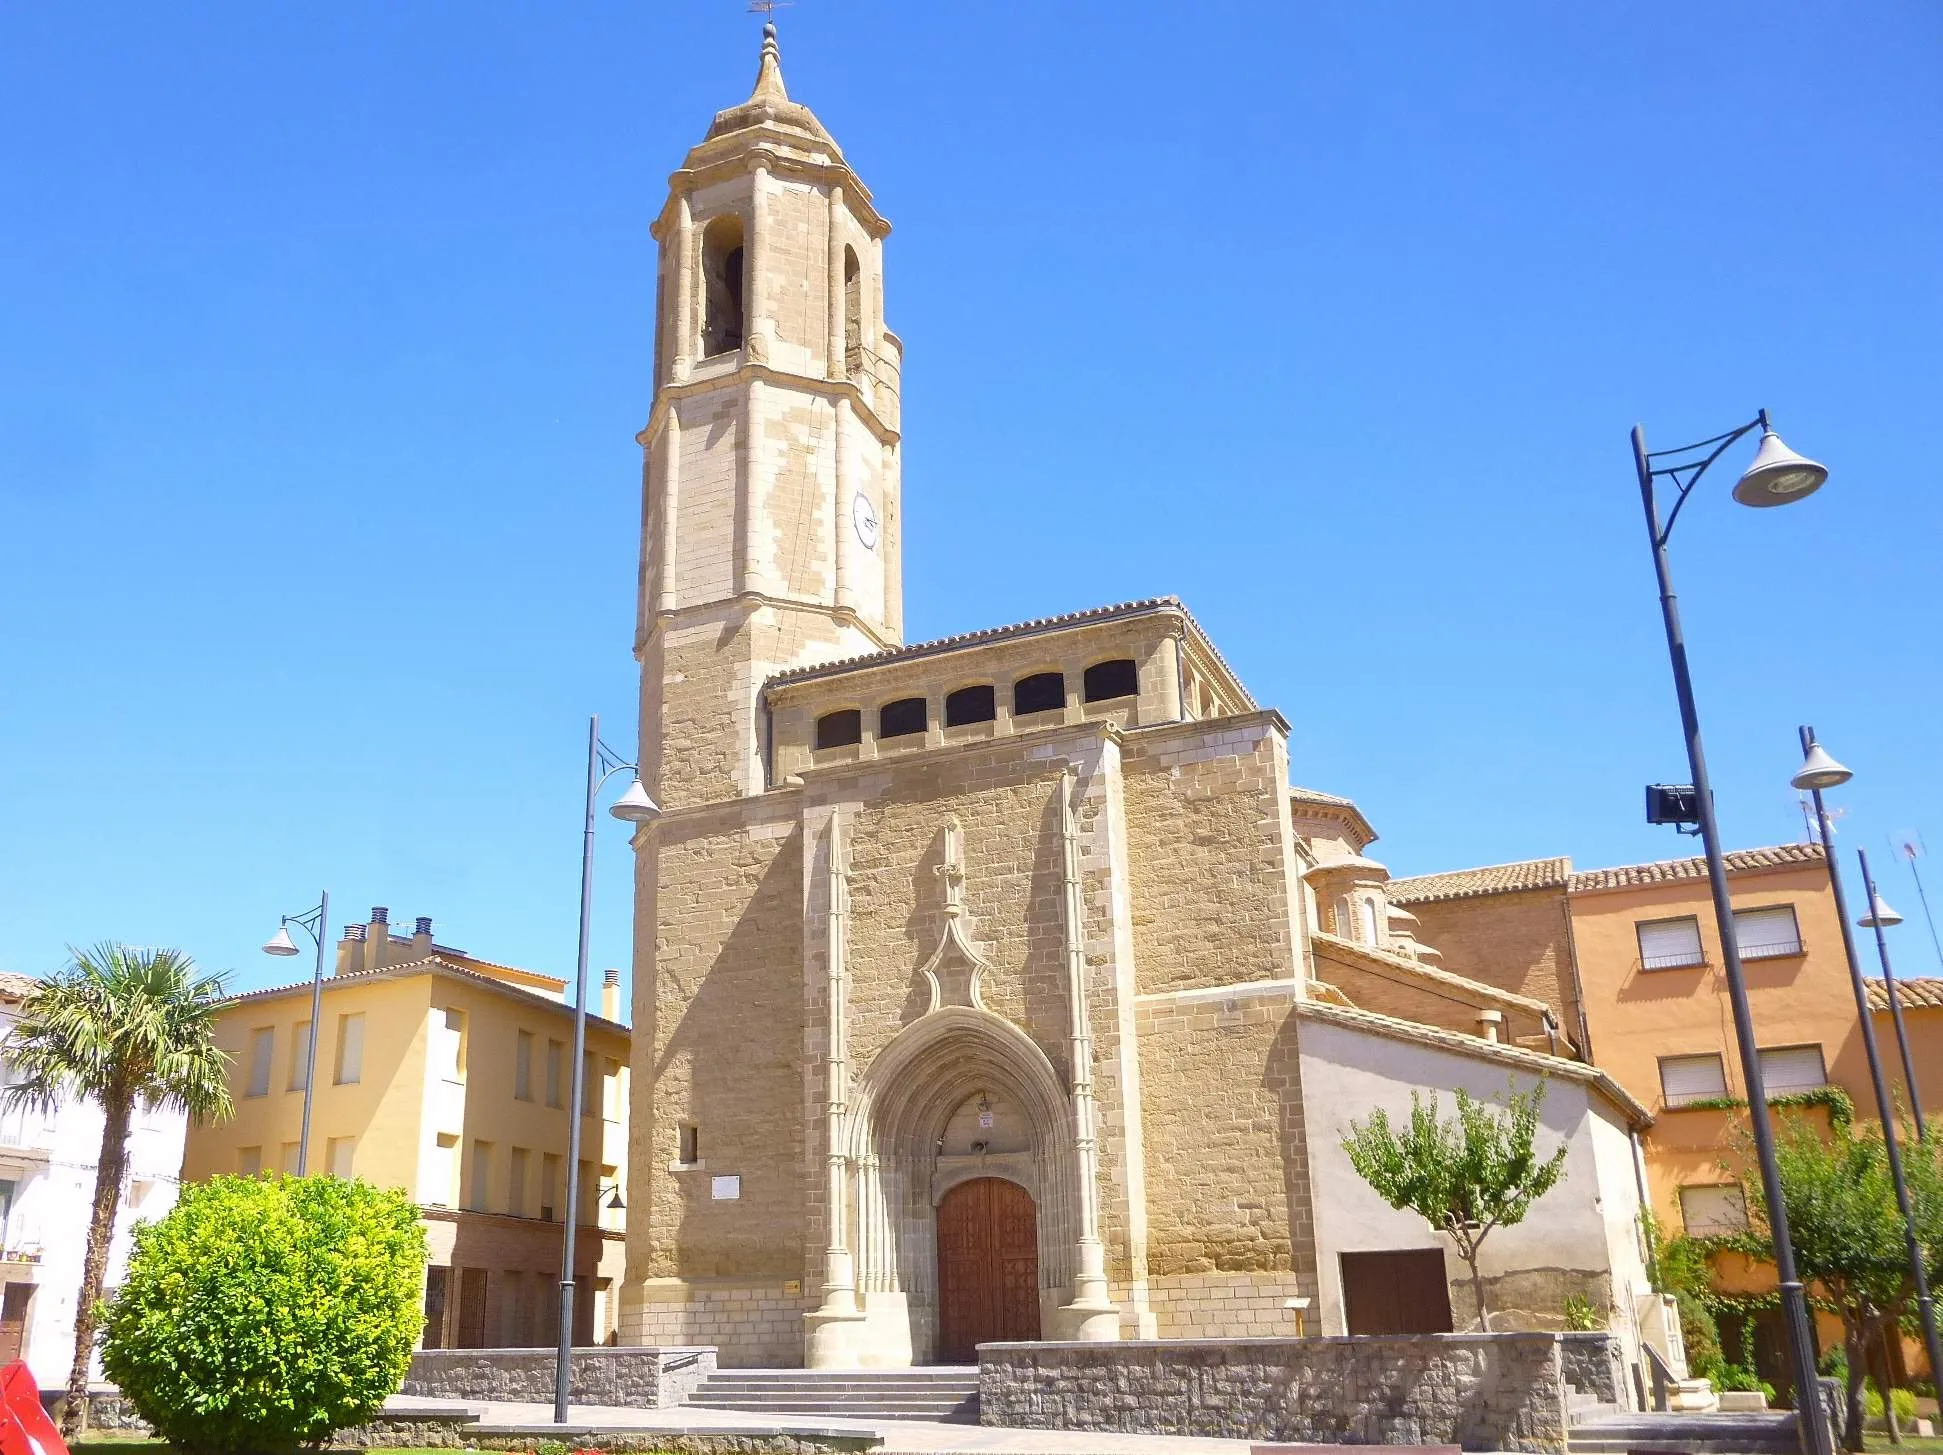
261,1315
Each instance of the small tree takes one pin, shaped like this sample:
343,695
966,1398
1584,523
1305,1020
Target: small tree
1848,1235
118,1027
1464,1177
263,1315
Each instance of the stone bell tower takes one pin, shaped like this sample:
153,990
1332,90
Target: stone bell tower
771,530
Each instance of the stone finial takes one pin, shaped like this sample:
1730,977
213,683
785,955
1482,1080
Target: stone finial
769,75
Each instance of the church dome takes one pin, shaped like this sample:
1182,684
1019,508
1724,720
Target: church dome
769,105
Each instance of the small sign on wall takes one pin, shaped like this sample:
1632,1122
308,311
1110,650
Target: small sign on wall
985,1121
725,1189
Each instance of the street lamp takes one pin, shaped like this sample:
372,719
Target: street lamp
1778,476
634,805
1817,771
316,924
1879,918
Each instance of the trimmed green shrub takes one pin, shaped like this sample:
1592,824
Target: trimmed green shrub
1904,1399
262,1315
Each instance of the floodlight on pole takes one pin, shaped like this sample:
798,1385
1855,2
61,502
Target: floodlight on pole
317,924
1879,914
281,944
1818,771
1778,475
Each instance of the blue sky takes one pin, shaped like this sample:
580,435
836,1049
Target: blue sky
327,332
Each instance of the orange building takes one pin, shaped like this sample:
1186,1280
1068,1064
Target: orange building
1630,960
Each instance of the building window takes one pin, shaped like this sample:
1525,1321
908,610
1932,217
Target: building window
263,1044
722,287
1710,1211
840,729
449,1044
1687,1079
853,314
249,1161
1669,944
350,1050
1768,933
516,1183
478,1198
691,1144
902,718
589,1085
289,1162
1370,935
610,1090
556,1055
1041,692
550,1186
971,704
1105,681
300,1056
523,1066
445,1174
338,1154
1786,1069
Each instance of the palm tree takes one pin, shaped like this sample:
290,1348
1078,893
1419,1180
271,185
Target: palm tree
119,1027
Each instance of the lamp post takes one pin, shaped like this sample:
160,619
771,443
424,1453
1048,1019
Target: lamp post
1819,771
1778,476
1879,918
602,764
316,924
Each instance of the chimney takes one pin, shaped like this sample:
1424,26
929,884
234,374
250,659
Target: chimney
1490,1024
377,949
610,996
350,950
422,937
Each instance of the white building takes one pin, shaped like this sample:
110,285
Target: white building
47,1171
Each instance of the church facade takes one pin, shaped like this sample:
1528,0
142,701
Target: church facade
1002,986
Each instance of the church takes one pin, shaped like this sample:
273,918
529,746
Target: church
1001,987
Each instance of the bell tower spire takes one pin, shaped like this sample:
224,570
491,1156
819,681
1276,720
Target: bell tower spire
772,496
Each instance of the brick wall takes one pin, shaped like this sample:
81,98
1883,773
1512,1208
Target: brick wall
1520,942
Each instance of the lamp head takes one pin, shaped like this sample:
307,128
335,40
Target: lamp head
280,943
614,1203
1880,914
635,805
1818,770
1778,475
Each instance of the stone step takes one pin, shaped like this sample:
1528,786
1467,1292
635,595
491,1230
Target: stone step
964,1412
921,1374
1677,1434
931,1393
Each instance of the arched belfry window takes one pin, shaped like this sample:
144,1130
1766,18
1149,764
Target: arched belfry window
853,314
1105,681
971,704
1041,692
840,729
722,263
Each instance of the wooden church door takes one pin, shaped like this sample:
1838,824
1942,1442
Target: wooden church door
988,1268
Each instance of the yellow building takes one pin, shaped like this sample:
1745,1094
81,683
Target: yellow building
446,1076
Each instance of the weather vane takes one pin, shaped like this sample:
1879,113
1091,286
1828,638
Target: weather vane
767,8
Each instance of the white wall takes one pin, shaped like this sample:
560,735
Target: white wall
52,1160
1347,1072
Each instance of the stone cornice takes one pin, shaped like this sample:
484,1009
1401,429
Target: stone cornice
744,373
781,160
750,601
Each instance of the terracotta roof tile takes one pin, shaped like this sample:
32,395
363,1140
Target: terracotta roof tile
999,633
1668,870
1923,994
1491,879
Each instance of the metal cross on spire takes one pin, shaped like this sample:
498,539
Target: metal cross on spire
767,9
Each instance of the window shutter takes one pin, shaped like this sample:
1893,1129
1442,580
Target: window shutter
1707,1210
1766,932
1691,1078
1793,1068
1668,943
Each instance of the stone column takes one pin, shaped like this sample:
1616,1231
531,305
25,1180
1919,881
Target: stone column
1091,1314
755,264
834,367
846,543
665,596
750,562
682,354
830,1336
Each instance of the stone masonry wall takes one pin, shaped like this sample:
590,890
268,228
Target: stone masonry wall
637,1378
1227,1164
754,1326
1519,942
1227,1305
1483,1392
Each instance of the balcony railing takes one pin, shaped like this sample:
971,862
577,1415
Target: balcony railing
1772,949
1674,960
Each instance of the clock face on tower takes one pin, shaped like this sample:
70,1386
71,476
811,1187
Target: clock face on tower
864,516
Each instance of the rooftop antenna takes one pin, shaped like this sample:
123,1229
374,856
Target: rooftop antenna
1910,845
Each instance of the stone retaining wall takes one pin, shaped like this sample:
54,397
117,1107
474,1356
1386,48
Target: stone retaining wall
1480,1391
1594,1363
640,1378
